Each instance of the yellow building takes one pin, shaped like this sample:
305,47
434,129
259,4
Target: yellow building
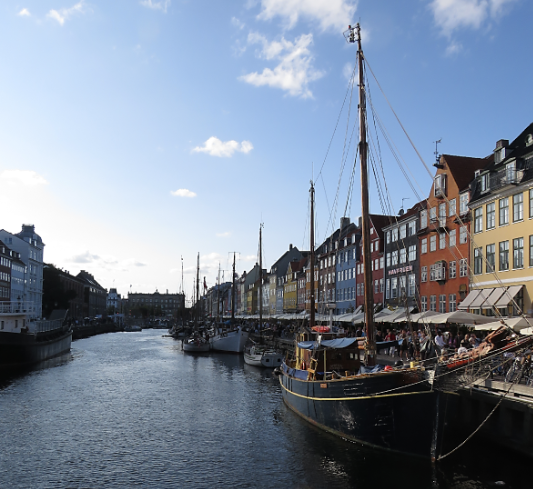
501,258
290,288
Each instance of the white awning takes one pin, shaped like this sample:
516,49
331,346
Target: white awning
480,299
469,299
459,317
494,297
508,296
521,324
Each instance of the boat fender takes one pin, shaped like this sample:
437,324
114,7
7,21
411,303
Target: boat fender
277,371
304,367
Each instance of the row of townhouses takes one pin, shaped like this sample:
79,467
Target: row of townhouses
24,277
468,245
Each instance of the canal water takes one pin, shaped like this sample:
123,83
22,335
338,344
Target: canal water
126,410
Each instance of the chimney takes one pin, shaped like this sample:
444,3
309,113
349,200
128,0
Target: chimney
360,222
502,143
345,221
290,247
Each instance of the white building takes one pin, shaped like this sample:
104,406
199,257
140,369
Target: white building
30,247
114,300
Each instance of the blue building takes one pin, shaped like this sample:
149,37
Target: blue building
347,255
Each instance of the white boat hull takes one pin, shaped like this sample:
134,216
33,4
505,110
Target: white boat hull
232,341
263,358
196,347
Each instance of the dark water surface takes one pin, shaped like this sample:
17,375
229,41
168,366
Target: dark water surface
132,410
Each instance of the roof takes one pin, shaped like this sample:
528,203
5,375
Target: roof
463,168
379,222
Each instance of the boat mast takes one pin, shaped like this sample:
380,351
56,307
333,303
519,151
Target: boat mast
197,290
312,258
367,259
233,293
218,295
260,278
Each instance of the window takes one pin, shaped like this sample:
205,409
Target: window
531,202
478,220
518,253
442,303
451,208
432,214
491,215
394,234
504,255
433,243
402,286
387,237
376,286
424,274
403,231
381,285
463,204
424,247
442,241
453,238
531,251
478,261
388,259
412,285
412,253
463,235
403,255
394,287
423,219
484,180
518,207
412,228
504,211
371,247
463,267
442,213
490,255
387,289
453,270
381,260
440,185
453,303
433,303
424,303
395,257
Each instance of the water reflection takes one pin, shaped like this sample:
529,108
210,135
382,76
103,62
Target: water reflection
128,410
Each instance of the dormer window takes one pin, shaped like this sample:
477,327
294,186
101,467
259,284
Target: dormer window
529,140
484,179
440,185
510,172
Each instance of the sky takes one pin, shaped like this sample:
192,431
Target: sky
135,134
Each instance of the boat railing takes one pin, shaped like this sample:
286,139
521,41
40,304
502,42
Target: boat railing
45,326
16,307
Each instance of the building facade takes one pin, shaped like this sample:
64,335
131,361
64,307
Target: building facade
30,248
444,234
502,231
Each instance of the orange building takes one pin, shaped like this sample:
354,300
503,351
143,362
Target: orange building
444,234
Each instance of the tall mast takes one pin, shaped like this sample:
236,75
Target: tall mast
312,259
233,292
197,289
218,294
367,259
260,278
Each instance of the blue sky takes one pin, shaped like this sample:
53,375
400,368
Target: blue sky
137,132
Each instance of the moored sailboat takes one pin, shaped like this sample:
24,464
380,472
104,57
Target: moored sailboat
333,381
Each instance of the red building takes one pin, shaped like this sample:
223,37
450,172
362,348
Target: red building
377,247
444,234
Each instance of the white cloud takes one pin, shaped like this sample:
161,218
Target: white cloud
162,5
330,14
24,13
85,257
295,69
453,48
347,71
237,23
215,147
227,234
63,14
183,192
21,177
451,15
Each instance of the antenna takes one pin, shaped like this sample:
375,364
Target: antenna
437,156
401,213
349,34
